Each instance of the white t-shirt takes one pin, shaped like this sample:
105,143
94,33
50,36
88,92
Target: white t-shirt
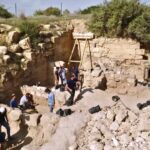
23,100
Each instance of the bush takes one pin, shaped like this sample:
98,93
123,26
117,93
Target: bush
48,12
122,18
4,13
29,29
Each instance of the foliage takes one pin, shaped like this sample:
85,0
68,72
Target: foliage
4,13
122,18
140,27
29,29
66,12
49,11
89,10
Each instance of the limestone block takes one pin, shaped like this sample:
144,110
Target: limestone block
45,33
59,63
124,139
25,43
20,55
110,115
15,115
53,39
132,116
140,51
139,57
3,50
6,58
27,54
45,27
33,119
114,126
15,48
121,115
13,37
96,72
5,28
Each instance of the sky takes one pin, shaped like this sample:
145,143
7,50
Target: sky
28,7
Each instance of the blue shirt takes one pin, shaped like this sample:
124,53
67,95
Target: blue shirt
13,103
51,99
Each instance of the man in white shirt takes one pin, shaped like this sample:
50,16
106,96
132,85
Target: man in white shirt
24,100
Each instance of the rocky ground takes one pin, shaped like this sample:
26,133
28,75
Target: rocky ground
119,125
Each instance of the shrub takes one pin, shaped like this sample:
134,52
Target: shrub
122,18
48,12
29,29
4,13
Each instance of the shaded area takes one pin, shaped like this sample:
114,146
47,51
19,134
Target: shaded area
19,139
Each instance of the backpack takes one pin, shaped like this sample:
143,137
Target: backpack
94,109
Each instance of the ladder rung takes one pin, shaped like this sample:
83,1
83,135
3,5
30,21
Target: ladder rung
74,61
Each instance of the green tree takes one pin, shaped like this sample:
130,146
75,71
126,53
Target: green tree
4,13
38,13
66,12
121,18
89,10
52,11
140,27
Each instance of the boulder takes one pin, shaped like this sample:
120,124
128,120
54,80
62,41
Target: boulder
45,33
5,28
15,115
96,72
25,43
124,139
3,50
6,58
13,37
59,63
27,54
114,126
121,115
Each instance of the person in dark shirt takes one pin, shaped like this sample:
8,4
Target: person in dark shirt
71,86
74,70
13,101
4,121
56,74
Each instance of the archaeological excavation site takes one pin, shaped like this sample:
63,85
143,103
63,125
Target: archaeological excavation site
110,109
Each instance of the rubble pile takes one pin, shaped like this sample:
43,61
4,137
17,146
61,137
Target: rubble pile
117,128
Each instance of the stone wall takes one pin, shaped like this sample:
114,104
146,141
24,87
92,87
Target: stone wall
21,64
120,60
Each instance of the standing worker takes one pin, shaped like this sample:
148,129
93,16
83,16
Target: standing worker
62,74
51,99
4,121
56,74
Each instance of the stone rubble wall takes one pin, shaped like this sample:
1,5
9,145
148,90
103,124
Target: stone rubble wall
20,64
120,60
